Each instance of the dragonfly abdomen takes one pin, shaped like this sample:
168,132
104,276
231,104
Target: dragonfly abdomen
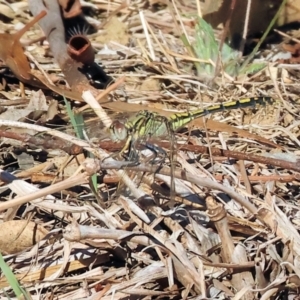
179,120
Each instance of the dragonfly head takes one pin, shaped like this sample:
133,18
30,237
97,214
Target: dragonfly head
118,131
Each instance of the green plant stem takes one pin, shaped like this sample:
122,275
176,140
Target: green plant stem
250,57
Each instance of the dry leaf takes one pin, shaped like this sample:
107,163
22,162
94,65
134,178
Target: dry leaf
36,107
17,235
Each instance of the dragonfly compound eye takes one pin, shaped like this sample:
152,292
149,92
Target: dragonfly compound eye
118,131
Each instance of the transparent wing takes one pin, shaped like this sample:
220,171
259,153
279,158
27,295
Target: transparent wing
93,127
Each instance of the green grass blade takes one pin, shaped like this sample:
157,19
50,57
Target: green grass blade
75,119
77,122
12,280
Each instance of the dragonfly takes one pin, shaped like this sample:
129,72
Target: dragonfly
145,125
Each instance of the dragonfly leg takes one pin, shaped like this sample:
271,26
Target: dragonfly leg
122,154
131,155
157,151
127,145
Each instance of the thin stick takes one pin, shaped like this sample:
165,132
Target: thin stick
57,187
199,12
242,45
88,97
104,93
111,88
181,22
145,28
287,36
249,58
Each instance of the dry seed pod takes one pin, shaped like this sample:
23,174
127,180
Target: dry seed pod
81,50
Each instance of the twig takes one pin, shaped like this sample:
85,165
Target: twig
204,182
57,187
243,41
294,165
284,164
97,108
76,233
287,36
73,146
144,24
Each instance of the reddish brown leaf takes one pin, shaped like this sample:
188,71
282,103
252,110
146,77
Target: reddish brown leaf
12,53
